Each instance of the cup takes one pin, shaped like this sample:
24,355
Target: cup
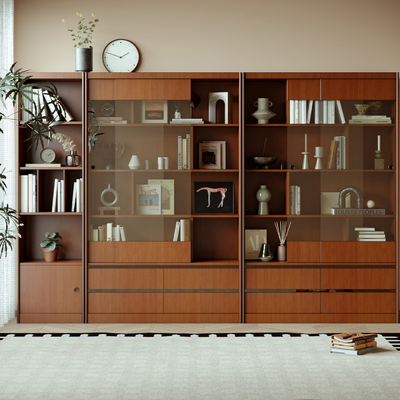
148,164
134,163
166,163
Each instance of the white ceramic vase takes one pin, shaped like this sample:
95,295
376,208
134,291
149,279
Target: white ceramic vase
263,113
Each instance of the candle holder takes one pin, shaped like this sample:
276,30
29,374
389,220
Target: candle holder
319,155
379,162
305,160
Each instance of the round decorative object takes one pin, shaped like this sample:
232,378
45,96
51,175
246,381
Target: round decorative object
47,155
370,204
263,195
120,55
112,191
107,109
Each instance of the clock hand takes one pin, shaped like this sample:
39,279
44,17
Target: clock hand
125,54
112,54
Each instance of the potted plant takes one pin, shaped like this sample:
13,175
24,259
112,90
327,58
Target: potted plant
82,38
51,245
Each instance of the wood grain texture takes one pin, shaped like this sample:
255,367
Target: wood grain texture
358,89
361,252
201,278
353,303
290,303
358,278
51,318
320,318
303,251
101,90
163,318
121,303
303,89
282,278
201,303
153,89
125,278
101,251
50,289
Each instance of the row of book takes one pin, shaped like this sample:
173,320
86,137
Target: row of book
337,153
212,154
182,231
325,111
295,200
58,203
28,193
354,343
107,233
184,161
47,104
369,234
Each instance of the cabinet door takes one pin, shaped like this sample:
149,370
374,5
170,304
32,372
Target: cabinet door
50,289
303,89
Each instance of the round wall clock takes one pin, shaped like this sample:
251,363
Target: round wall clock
120,55
107,109
47,155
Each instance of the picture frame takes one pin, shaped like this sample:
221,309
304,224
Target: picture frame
148,199
154,111
214,197
330,200
254,238
167,194
209,155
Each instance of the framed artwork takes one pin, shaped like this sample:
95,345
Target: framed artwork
213,197
254,238
148,199
154,111
167,194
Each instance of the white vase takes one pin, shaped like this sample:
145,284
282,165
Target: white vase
134,163
263,114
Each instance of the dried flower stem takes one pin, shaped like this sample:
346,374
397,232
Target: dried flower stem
282,230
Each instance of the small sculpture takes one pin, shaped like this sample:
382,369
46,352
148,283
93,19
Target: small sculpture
213,97
263,195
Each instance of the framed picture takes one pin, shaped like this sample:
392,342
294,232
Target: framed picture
330,200
167,195
154,111
213,197
148,199
254,238
209,155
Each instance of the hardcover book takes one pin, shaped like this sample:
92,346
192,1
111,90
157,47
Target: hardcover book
167,195
209,156
148,199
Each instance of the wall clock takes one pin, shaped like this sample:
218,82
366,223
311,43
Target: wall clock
48,155
120,55
107,109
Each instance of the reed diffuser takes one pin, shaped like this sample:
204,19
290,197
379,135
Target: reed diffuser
282,229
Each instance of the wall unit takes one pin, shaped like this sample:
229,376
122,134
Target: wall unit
329,276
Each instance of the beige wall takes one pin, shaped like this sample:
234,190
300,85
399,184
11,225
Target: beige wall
218,35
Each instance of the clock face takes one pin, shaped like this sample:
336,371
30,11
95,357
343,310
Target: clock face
47,155
107,109
120,55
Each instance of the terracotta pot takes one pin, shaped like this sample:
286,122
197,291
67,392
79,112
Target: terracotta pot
50,256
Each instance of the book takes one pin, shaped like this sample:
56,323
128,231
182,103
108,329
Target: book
364,228
254,238
95,235
381,236
113,122
30,198
349,337
122,233
185,230
43,165
100,230
370,117
291,111
116,233
148,199
55,192
109,231
353,352
188,151
167,195
303,111
176,232
75,189
59,196
309,111
184,154
78,196
332,155
187,121
62,202
179,152
371,240
104,233
50,101
222,144
340,111
354,345
109,118
324,111
296,111
24,193
370,121
209,155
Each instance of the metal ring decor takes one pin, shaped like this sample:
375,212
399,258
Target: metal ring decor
109,190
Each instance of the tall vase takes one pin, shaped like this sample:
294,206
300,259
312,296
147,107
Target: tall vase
83,59
263,114
263,195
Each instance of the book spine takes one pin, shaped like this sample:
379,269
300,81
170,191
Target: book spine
34,193
176,232
184,153
78,196
104,230
296,111
122,233
30,191
100,229
188,150
62,196
291,111
309,111
340,110
292,197
73,198
298,200
324,111
54,204
109,232
303,111
185,230
343,143
179,152
81,193
118,233
24,193
95,235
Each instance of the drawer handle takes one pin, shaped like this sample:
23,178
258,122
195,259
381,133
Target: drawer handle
76,289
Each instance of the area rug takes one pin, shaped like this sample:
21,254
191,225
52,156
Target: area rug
220,367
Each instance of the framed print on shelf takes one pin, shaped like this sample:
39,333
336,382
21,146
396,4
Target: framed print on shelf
148,199
213,197
254,238
167,195
154,111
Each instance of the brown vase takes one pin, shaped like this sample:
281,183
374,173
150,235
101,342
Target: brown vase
50,256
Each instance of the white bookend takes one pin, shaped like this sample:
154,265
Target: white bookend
24,193
340,110
73,207
179,152
185,230
109,232
62,196
309,111
324,111
176,233
188,151
54,203
95,235
59,196
30,191
291,111
78,196
122,232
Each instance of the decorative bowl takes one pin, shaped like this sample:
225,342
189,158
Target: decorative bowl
266,259
263,162
361,108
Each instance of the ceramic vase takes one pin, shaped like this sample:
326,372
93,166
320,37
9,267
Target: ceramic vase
281,252
263,195
83,59
263,113
134,163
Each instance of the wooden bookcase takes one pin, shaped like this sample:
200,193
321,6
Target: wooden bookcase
328,277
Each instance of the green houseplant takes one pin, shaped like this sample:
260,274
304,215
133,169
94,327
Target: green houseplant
51,246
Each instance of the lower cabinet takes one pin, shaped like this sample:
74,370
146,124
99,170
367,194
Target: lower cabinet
51,292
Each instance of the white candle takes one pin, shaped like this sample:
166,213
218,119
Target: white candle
379,142
319,151
305,145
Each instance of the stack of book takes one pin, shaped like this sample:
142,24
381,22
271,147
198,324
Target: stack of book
370,119
324,111
184,152
368,234
212,154
354,343
111,120
295,200
107,233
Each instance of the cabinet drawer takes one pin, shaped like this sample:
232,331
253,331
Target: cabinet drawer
360,252
303,251
201,278
282,278
198,303
122,303
304,303
358,278
358,303
125,278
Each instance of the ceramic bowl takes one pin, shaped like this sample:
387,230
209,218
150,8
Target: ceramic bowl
263,162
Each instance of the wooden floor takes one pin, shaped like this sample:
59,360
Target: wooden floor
14,327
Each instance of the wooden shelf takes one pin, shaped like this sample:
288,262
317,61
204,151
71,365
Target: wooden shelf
51,168
54,264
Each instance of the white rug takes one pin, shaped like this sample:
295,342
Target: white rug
174,367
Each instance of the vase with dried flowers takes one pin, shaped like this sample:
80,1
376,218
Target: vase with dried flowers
72,159
82,38
282,229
